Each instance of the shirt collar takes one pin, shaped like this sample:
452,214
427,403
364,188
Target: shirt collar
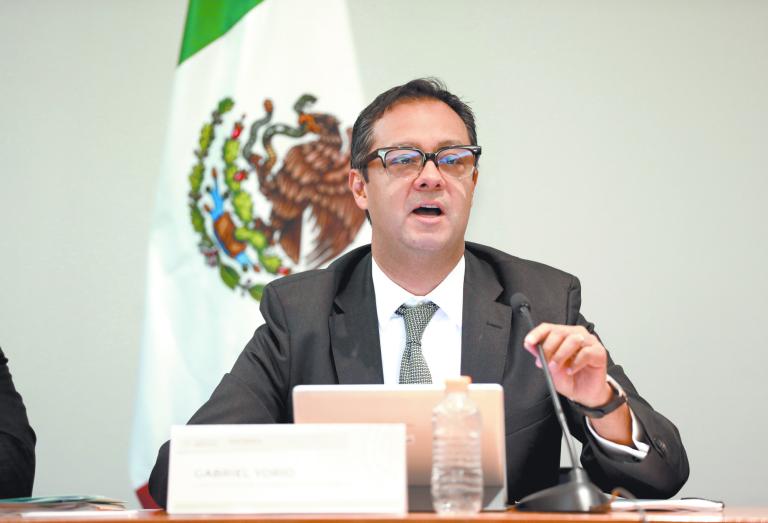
448,295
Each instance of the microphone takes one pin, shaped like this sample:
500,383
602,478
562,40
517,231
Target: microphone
579,494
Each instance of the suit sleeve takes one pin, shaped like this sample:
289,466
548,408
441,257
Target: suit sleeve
663,471
17,440
254,391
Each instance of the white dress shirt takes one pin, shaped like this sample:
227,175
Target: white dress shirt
441,341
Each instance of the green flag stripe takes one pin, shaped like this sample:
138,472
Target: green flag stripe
207,20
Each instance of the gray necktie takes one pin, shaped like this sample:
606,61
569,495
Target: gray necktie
413,366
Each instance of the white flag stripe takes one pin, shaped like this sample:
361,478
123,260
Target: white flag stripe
195,326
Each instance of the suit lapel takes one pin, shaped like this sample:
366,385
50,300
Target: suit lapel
486,324
354,329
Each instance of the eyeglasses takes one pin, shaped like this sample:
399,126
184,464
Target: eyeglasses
455,161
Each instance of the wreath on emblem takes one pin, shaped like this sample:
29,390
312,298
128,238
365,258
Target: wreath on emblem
309,186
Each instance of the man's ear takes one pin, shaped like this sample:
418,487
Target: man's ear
358,187
474,176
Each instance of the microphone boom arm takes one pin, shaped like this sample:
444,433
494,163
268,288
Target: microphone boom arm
579,494
525,312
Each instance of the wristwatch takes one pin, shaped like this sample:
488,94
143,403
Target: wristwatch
614,403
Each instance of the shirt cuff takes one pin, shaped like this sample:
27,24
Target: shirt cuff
640,450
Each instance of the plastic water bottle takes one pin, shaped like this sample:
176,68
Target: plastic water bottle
457,467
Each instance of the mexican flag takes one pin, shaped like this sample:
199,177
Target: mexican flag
253,187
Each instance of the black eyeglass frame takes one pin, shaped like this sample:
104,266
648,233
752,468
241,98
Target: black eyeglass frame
381,154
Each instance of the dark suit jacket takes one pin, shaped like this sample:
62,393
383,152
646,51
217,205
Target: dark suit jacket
321,327
17,440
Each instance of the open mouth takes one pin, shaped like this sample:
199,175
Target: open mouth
428,210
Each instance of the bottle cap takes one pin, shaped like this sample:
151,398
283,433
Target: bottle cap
457,384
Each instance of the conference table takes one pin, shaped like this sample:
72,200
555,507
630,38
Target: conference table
729,515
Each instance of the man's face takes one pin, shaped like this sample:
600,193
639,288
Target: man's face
399,222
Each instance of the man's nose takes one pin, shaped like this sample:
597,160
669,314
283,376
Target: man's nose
430,177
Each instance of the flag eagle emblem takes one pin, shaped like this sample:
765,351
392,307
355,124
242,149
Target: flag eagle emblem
309,187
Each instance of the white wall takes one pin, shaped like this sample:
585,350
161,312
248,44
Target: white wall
84,90
623,141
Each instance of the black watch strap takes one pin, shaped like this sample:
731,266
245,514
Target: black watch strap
615,402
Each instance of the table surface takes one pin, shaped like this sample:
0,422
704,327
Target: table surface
729,515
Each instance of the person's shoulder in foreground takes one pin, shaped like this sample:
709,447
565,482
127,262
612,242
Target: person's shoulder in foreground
17,439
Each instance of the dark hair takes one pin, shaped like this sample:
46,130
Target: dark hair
362,131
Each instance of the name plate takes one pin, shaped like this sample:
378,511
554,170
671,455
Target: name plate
287,469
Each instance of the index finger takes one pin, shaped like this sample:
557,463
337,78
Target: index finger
537,335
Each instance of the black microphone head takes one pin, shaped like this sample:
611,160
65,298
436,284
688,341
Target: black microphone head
519,301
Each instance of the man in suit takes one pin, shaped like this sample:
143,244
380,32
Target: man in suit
414,159
17,439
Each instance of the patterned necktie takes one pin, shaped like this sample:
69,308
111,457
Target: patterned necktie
413,366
